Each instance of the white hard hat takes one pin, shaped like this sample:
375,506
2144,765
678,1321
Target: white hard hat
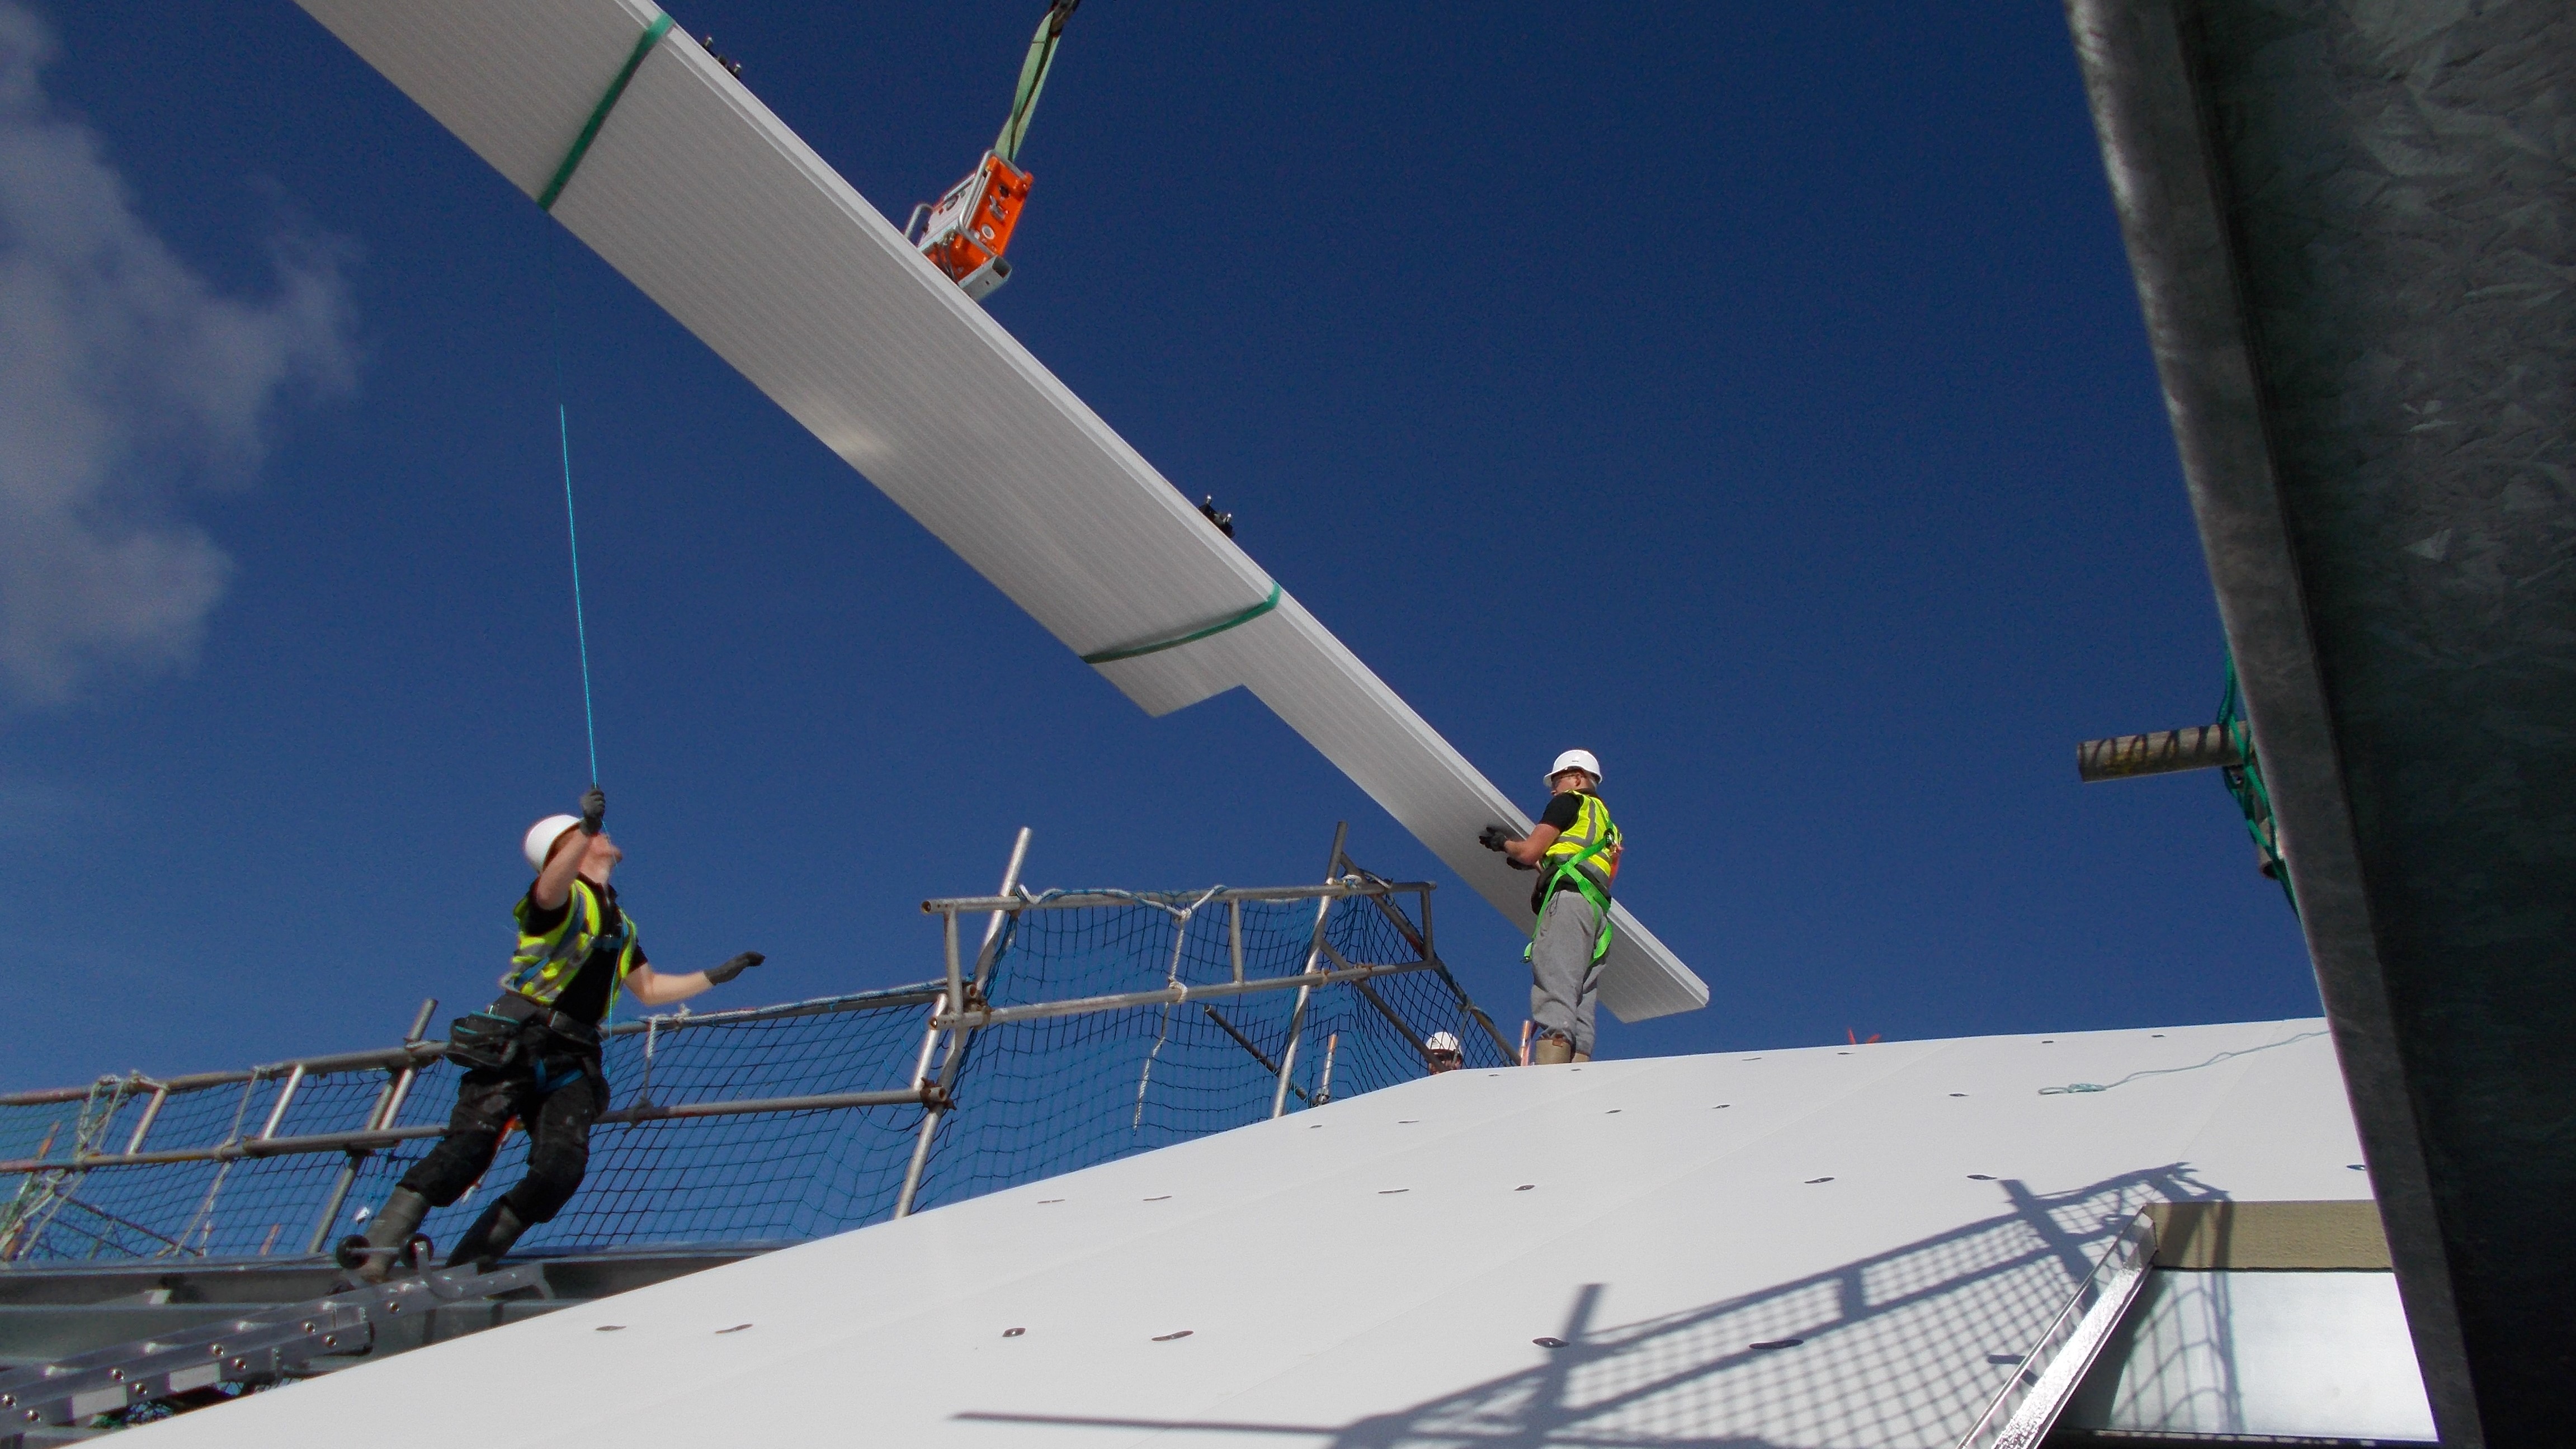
1441,1041
543,835
1575,760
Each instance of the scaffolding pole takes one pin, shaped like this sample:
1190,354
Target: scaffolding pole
1297,1018
956,1001
388,1102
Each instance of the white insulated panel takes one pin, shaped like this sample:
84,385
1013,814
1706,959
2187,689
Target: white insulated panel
2271,1356
1375,1274
718,212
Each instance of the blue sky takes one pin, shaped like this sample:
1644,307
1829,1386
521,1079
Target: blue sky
1756,397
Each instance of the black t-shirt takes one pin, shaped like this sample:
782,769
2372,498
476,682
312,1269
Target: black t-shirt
1562,812
585,997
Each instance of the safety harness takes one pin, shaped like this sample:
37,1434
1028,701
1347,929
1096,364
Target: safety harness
540,969
1571,864
545,962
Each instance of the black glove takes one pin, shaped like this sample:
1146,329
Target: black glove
1495,837
719,975
594,809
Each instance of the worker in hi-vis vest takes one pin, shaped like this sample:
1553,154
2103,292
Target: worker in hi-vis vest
533,1055
1575,850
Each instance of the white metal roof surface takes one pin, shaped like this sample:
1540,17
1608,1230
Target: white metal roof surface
1373,1274
720,214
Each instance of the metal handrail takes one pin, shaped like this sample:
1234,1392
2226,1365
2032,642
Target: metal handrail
422,1053
387,1136
983,1016
1076,900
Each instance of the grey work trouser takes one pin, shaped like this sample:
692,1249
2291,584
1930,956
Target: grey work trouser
1565,982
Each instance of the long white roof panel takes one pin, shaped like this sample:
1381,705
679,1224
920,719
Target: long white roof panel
718,212
1821,1247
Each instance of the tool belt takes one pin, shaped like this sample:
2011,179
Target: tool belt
515,1029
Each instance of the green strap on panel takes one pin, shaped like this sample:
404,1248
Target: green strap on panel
1112,656
652,36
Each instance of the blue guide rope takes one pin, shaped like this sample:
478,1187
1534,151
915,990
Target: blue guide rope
644,44
580,630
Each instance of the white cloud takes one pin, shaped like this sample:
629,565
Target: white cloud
125,380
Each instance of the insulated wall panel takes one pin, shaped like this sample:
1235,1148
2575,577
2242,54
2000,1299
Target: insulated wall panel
719,213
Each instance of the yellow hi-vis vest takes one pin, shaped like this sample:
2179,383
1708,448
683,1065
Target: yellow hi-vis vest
1588,854
545,963
1589,848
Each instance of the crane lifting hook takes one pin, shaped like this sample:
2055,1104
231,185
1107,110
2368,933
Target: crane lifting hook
965,232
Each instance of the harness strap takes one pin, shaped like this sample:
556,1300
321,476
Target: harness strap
644,44
1598,898
529,1012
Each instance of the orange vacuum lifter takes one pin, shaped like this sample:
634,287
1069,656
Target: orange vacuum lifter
965,232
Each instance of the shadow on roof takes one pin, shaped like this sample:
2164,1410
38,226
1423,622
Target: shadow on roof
1906,1347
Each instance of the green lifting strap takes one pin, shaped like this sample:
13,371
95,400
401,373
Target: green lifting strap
1033,74
1112,656
652,36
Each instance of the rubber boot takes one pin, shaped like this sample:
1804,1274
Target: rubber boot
490,1237
1551,1051
1581,1057
392,1227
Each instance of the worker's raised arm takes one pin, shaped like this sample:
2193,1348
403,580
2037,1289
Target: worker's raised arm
1530,849
652,988
554,878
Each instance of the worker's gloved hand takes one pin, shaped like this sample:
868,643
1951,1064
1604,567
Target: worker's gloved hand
1494,838
594,809
719,975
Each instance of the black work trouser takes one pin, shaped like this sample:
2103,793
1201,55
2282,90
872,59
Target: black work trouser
557,1122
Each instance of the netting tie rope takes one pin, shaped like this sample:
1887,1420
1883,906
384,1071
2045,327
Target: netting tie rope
2073,1088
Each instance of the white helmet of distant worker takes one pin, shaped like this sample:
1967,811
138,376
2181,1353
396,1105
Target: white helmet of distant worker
1441,1041
1574,760
543,835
